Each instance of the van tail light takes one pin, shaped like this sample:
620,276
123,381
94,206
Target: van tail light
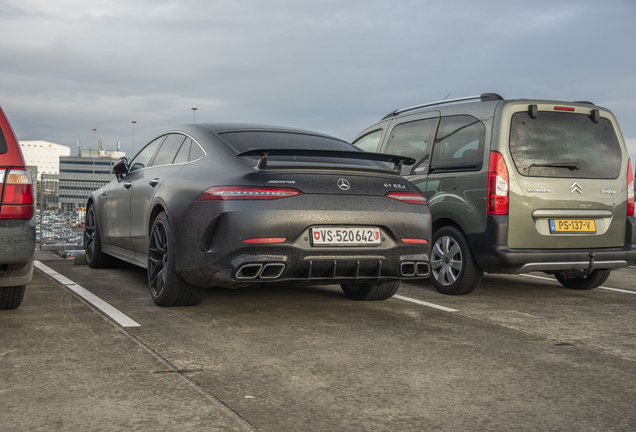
246,193
16,194
630,189
497,185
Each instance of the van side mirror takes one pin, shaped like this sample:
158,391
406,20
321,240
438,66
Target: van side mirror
120,167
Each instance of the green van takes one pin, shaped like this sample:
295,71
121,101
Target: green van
516,186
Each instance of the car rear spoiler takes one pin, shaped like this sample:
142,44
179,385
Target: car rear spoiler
396,160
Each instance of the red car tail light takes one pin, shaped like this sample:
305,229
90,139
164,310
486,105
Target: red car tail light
497,185
16,194
630,189
246,193
408,197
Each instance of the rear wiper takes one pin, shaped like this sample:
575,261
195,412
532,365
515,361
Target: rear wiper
569,165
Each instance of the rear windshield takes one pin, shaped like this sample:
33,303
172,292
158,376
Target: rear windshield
564,145
3,143
253,140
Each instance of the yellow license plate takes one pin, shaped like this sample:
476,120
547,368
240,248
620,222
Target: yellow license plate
572,226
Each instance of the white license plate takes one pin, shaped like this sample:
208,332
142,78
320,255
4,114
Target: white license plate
345,236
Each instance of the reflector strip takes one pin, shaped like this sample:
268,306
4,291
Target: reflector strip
266,240
416,241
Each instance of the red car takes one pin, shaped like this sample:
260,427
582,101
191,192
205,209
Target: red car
17,229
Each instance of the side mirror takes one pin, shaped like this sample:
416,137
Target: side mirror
120,168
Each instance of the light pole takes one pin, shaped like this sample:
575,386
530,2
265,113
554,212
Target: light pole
94,129
194,110
133,150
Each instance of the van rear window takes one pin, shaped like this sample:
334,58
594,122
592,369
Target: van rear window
564,145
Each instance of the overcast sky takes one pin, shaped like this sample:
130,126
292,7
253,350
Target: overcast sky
68,66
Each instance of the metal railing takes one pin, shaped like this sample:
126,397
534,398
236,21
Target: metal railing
60,212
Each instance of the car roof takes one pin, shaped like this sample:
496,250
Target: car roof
221,127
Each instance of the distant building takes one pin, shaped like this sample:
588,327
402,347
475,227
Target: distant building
90,162
44,155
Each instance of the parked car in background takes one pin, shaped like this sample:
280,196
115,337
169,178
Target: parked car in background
516,186
17,229
242,205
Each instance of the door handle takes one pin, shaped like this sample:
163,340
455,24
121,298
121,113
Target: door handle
127,185
153,182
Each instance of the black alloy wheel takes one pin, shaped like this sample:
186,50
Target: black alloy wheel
167,288
93,244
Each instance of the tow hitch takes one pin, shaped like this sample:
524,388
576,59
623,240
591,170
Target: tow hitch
590,268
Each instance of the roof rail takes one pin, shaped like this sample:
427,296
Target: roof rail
484,97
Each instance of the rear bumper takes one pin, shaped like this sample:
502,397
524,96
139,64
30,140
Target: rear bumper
288,264
212,251
16,251
494,257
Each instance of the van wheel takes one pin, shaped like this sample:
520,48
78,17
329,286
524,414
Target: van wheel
371,291
454,270
167,288
593,280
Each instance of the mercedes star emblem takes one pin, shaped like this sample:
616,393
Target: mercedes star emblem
343,184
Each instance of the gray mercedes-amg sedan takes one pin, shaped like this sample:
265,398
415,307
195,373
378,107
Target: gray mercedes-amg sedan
244,205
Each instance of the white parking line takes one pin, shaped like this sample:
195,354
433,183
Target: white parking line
100,304
423,303
601,287
632,267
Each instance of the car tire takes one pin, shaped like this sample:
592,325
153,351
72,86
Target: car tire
371,291
95,258
167,288
593,280
11,297
454,269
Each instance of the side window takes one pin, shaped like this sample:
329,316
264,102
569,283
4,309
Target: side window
459,145
196,152
369,142
413,139
3,143
184,152
143,157
168,150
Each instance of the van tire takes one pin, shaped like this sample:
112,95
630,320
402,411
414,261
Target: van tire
454,269
591,281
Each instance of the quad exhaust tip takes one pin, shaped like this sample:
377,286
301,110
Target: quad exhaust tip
412,269
260,271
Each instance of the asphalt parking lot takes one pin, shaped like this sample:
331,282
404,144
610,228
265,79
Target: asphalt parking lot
520,353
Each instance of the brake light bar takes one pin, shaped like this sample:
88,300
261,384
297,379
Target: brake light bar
16,194
630,189
560,108
407,197
246,193
497,185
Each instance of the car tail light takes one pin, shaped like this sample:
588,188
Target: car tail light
630,189
497,185
408,197
246,193
16,194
